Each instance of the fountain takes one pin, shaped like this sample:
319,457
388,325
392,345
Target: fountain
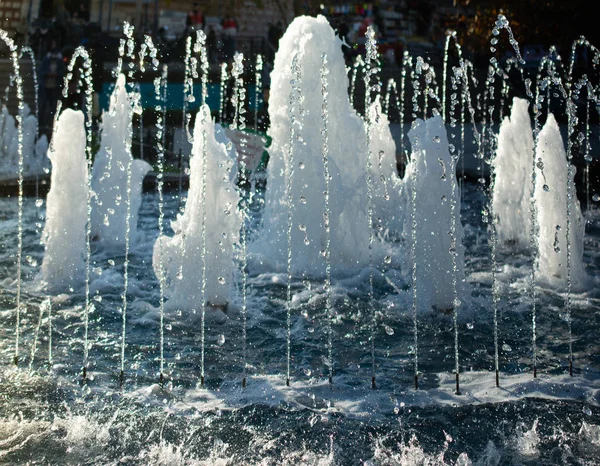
341,312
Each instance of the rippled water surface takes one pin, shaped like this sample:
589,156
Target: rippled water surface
49,417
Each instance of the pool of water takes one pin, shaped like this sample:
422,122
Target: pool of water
48,416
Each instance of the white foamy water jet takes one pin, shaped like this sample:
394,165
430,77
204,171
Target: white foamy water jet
551,200
309,38
109,173
64,234
35,161
388,217
183,274
512,187
433,163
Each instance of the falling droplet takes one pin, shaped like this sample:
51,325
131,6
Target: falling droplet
389,330
221,340
436,139
546,188
387,259
39,202
221,280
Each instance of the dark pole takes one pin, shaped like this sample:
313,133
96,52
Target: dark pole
100,14
110,2
156,17
29,12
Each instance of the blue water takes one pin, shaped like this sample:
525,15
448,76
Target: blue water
50,417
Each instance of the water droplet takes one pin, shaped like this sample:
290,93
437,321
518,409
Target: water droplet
587,410
98,298
39,202
221,280
436,139
387,259
302,200
595,198
301,165
310,330
221,340
546,188
506,347
307,372
389,330
470,325
111,262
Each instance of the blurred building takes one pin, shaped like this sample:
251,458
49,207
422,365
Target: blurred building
253,16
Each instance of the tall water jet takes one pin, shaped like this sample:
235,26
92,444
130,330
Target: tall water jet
33,149
512,167
371,78
433,189
64,234
309,38
222,227
19,83
551,199
110,177
327,251
387,185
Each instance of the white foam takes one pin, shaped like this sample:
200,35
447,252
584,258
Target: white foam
64,234
430,173
109,173
551,207
512,163
181,254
